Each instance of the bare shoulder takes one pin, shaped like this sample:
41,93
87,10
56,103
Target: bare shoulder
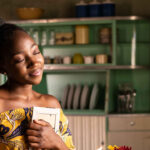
51,101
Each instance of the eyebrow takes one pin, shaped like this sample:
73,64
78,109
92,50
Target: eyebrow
20,52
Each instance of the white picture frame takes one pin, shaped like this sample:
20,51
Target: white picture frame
50,115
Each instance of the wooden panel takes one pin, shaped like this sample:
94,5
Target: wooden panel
119,123
88,131
137,140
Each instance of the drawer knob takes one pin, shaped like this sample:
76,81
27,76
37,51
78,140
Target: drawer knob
132,123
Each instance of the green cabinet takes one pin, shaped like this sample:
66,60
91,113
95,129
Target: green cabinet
118,69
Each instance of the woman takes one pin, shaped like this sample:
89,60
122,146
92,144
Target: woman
22,62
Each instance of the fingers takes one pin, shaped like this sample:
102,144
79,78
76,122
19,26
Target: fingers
41,122
34,126
33,132
34,145
33,139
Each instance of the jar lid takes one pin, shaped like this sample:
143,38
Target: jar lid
94,2
108,2
81,3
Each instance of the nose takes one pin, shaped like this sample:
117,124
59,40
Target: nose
32,61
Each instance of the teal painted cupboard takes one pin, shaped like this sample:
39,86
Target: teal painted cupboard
117,70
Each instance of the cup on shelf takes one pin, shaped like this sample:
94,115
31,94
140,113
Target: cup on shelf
101,58
88,59
66,60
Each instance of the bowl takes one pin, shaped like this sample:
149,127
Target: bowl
30,13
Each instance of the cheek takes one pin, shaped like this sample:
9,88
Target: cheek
20,70
41,59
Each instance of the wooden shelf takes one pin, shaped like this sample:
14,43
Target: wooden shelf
94,67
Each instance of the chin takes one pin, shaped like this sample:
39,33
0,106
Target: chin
36,82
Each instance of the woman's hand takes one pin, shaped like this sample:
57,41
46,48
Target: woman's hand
41,135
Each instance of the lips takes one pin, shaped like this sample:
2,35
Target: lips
36,72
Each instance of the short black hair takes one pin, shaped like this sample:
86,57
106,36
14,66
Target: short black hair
6,38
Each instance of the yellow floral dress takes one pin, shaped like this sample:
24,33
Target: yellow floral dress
13,124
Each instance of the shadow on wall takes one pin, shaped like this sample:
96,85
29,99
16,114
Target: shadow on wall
66,8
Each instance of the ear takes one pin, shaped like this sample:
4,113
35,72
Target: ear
2,70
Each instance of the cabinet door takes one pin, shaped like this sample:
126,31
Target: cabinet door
88,131
146,143
137,140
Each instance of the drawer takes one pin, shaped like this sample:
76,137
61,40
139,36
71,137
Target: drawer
120,123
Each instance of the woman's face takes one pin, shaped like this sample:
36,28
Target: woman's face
25,62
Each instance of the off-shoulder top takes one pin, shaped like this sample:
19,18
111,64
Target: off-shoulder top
13,125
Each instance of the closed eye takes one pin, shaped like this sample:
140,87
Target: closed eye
19,61
36,52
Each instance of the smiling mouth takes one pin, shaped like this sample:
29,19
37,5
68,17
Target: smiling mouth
36,72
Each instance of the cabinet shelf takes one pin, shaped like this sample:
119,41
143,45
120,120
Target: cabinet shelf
68,20
85,67
75,46
84,112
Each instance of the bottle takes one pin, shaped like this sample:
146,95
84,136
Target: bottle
51,37
133,48
44,37
35,36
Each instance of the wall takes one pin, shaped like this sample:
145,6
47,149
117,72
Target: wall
65,8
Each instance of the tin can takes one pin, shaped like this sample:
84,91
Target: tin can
82,34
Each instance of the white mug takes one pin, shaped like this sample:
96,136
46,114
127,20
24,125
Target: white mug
88,59
67,60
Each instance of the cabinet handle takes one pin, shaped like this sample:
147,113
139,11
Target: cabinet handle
132,123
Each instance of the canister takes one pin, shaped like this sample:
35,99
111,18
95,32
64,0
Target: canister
108,8
105,35
64,38
101,58
81,34
81,9
95,9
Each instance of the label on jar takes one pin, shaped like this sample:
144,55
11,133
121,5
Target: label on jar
105,35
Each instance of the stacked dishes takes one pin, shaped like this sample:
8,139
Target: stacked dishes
81,97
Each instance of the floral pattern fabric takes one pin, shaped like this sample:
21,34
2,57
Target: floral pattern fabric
13,125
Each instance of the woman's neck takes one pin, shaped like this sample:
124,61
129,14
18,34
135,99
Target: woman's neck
22,91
